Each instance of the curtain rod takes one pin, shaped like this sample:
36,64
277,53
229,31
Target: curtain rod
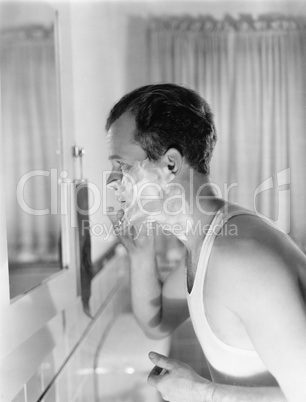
245,22
25,32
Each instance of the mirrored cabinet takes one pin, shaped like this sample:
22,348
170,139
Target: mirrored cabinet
38,244
44,326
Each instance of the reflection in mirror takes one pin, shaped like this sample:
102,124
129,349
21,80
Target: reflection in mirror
31,143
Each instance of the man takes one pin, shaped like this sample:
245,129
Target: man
241,289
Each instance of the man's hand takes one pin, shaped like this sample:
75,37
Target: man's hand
159,305
178,382
136,239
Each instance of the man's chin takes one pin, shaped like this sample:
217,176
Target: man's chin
138,218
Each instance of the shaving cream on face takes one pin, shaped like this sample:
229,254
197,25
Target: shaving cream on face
142,189
149,195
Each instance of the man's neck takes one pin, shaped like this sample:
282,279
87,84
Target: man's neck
201,204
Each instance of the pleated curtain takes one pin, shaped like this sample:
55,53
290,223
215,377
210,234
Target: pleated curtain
253,74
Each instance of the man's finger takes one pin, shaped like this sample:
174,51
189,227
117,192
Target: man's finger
152,377
111,215
155,375
114,217
158,370
161,361
120,214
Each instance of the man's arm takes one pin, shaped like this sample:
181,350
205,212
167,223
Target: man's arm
231,393
158,307
266,297
180,383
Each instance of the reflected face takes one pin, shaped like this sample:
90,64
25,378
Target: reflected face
138,183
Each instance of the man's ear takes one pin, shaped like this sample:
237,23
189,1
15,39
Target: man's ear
174,160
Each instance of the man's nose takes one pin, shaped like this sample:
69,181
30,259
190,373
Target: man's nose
114,180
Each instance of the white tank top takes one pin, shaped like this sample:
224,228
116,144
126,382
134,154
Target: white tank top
227,364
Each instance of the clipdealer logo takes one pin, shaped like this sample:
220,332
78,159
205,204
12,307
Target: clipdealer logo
61,185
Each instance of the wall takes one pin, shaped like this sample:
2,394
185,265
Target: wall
94,93
15,13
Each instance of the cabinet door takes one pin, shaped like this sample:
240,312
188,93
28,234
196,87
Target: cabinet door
38,259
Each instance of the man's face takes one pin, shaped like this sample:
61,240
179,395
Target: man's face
138,183
122,148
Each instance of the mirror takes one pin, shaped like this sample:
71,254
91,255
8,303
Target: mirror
31,137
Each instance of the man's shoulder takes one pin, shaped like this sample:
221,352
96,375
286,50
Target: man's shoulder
247,235
251,270
254,252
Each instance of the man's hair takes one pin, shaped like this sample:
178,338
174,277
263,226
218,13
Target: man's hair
170,116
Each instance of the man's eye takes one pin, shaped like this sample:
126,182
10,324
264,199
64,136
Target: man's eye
123,166
120,165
